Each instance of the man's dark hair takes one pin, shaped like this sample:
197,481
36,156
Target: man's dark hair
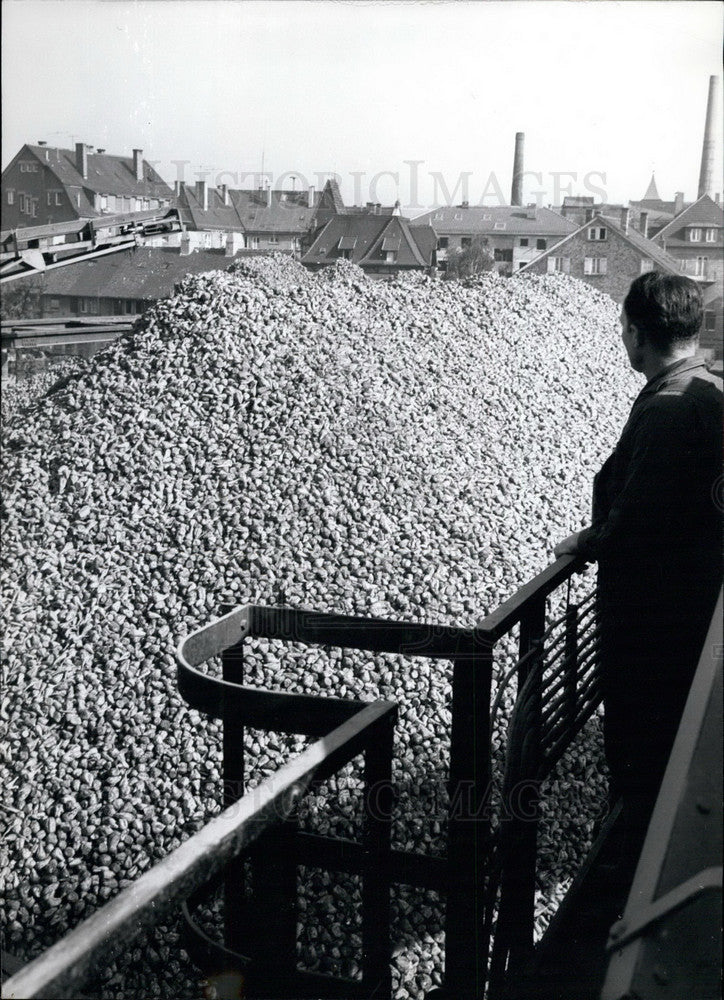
666,308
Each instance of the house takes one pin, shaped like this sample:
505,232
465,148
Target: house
123,283
276,220
696,239
513,234
380,244
605,254
209,218
259,219
44,185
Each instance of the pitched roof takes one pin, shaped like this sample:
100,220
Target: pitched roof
106,174
398,237
510,220
363,236
217,216
652,193
703,212
289,211
141,273
646,247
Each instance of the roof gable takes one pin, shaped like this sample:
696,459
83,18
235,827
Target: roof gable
704,212
646,247
368,238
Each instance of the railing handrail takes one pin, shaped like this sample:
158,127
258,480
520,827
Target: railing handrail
60,970
510,612
380,635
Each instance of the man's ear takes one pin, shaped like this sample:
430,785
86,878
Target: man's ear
638,337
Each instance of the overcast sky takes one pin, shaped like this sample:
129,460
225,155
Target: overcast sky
600,89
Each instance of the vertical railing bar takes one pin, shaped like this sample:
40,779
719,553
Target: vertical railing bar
232,665
377,841
469,838
571,668
513,943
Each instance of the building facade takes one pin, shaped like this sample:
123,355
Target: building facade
604,254
695,238
513,235
43,185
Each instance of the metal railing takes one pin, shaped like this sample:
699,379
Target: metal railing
557,687
347,729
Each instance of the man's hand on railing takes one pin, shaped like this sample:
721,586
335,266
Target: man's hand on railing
568,546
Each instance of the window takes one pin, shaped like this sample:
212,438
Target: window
50,197
465,242
597,233
104,203
695,234
709,321
253,242
595,265
438,216
58,197
524,241
458,216
710,235
390,256
11,197
646,265
28,168
443,243
273,239
541,244
55,303
502,255
701,267
561,265
500,225
33,207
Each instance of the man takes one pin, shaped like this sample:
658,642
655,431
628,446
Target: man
656,533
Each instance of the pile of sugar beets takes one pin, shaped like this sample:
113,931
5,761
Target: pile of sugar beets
406,449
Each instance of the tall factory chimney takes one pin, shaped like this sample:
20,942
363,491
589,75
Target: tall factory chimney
708,149
516,192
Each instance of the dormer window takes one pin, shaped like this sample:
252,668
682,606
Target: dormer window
438,217
346,245
500,225
710,235
458,216
695,234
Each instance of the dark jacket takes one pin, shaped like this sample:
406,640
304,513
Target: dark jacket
657,520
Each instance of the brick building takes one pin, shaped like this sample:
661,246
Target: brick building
605,254
695,238
513,235
44,185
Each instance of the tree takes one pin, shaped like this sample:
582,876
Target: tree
474,259
21,299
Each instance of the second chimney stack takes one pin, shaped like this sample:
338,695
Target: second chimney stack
138,164
516,193
81,159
